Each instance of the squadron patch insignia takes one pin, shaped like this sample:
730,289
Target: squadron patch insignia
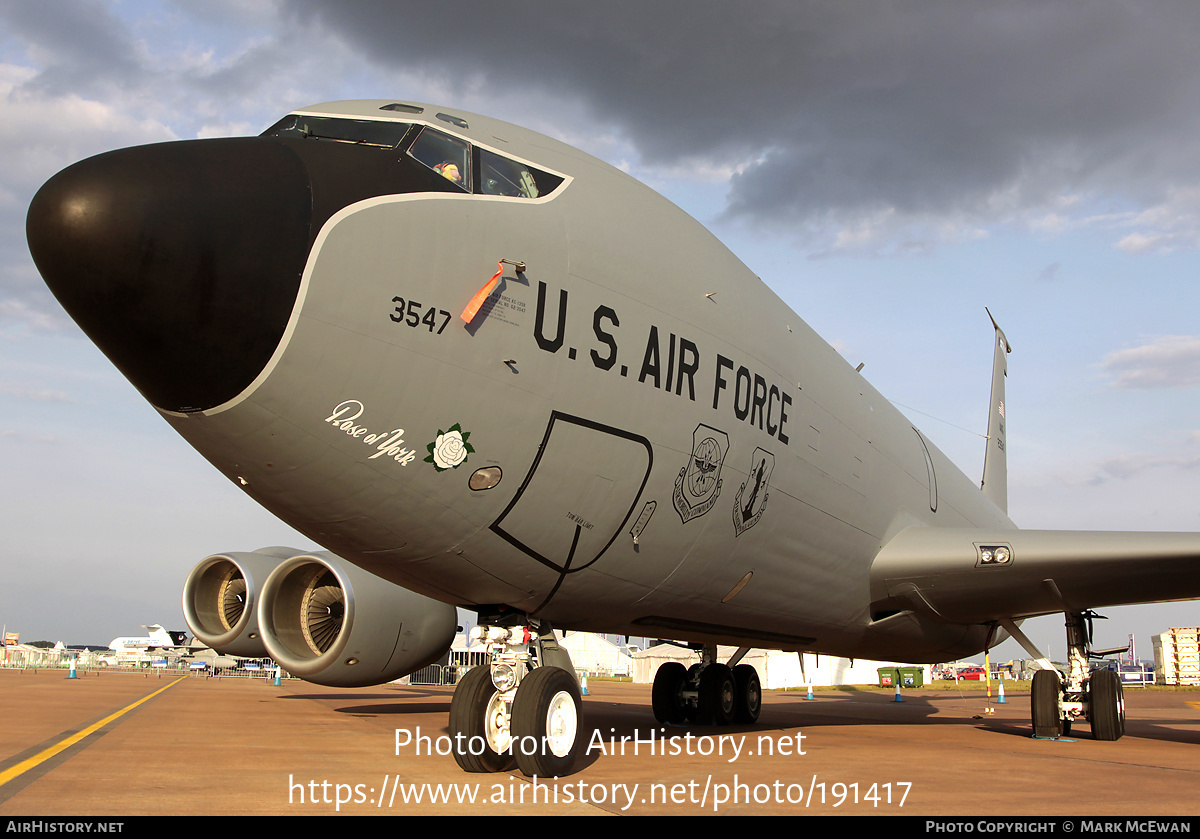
751,498
699,482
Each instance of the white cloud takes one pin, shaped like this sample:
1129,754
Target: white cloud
22,312
40,135
1171,224
1128,465
1167,362
232,129
1141,242
35,394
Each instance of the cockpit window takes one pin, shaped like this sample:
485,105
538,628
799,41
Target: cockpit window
470,168
501,176
449,156
358,131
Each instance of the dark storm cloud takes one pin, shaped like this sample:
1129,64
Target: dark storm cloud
931,107
84,45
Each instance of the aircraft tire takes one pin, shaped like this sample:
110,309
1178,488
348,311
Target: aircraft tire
664,697
716,700
1044,699
1107,705
547,725
476,725
690,710
747,694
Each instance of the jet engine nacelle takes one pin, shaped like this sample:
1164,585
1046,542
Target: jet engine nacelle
330,622
220,599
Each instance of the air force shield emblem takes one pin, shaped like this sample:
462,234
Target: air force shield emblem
699,482
751,499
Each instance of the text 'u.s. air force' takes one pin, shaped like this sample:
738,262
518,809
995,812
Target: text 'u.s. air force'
674,364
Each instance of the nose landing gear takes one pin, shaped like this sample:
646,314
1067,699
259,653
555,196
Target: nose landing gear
523,708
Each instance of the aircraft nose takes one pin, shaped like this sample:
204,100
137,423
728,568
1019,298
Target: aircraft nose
181,261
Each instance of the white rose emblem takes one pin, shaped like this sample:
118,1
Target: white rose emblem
449,449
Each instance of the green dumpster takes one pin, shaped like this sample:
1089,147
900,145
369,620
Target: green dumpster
889,677
912,677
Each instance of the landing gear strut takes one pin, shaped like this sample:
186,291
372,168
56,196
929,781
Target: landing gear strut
1058,701
523,707
710,693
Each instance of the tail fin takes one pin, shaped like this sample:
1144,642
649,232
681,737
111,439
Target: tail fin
995,462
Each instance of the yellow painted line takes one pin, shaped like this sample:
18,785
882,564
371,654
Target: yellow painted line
66,743
1195,705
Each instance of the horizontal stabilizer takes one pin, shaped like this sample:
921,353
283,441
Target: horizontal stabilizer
972,575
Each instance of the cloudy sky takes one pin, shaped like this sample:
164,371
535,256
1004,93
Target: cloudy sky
888,169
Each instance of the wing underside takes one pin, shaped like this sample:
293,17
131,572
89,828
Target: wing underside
971,575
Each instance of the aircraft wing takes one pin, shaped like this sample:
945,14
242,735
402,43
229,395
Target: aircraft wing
972,575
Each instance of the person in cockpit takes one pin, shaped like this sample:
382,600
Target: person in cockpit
449,170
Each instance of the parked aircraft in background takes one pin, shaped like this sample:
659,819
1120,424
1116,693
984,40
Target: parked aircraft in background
147,648
158,639
484,369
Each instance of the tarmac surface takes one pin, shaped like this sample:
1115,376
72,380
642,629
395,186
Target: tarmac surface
206,746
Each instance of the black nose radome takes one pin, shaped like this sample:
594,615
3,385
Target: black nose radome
181,261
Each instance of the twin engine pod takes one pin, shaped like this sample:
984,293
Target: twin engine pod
321,618
220,599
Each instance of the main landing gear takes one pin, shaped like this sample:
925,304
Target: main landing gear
1057,702
523,708
708,693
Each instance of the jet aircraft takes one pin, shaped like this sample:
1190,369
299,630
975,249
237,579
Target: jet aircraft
158,638
485,369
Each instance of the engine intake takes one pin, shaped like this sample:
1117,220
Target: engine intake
333,623
220,599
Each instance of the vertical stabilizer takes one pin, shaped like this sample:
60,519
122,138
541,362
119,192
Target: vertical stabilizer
995,462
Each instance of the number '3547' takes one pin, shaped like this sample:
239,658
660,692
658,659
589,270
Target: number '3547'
414,314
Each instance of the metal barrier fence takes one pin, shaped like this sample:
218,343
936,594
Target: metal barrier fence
92,671
437,674
87,661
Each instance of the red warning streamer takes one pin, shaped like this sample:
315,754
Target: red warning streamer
472,309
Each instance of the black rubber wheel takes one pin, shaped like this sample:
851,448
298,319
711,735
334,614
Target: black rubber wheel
690,710
715,701
547,723
1106,704
747,694
474,724
664,697
1044,701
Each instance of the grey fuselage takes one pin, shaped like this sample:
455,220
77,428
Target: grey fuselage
679,455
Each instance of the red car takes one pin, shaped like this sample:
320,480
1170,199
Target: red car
972,673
